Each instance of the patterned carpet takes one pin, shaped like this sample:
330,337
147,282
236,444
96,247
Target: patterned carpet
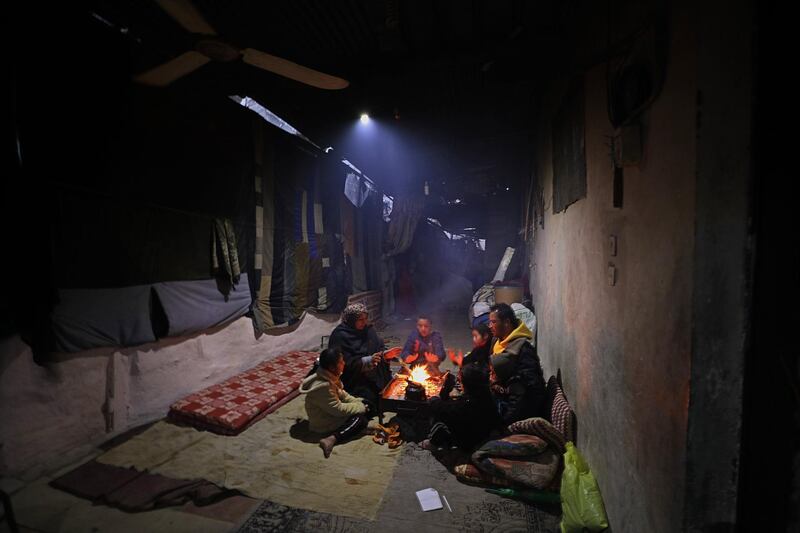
474,510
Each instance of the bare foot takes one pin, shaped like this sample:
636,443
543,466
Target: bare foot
327,445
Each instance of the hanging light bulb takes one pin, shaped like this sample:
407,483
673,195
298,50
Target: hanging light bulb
427,189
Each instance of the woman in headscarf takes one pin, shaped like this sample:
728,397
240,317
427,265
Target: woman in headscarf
366,371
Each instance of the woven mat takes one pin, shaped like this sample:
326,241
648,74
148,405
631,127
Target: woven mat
276,459
473,509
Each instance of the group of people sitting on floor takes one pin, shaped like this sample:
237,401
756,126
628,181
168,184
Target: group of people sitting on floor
501,380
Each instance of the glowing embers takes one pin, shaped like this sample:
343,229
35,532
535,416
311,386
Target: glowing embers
416,387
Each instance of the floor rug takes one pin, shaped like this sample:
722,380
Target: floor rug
276,459
473,509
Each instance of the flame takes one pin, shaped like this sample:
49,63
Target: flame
419,374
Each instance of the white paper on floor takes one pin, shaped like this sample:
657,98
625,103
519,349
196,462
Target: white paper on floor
429,499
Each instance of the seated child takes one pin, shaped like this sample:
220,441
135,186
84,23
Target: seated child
467,420
424,345
481,347
330,408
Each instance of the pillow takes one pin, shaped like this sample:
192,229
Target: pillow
561,415
538,472
468,473
550,394
519,445
89,318
541,428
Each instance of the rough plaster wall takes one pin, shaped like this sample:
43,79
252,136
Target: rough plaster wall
723,264
46,411
624,350
50,415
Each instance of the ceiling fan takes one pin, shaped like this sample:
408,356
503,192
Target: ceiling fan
209,48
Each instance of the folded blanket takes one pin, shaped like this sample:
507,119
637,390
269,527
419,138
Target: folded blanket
541,428
134,491
468,473
520,459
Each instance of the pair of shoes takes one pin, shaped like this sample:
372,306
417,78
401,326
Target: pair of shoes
388,434
380,436
395,440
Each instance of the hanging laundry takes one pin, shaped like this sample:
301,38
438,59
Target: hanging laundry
224,256
406,214
355,189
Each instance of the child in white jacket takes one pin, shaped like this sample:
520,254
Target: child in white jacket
329,407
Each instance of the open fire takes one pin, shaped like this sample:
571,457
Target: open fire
420,375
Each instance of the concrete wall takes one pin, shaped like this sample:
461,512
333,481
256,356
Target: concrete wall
724,249
624,350
51,415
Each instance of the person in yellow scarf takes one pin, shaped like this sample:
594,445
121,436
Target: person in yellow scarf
518,381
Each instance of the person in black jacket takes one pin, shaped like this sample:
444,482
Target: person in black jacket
481,346
467,420
366,371
518,381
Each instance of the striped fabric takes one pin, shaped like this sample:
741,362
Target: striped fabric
291,249
562,416
541,428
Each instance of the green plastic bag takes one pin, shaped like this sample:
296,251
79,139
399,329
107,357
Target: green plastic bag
581,504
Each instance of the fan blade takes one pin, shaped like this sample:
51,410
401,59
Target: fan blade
292,71
185,14
172,70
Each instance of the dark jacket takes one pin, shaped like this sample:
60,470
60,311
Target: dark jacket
360,378
469,419
519,389
479,355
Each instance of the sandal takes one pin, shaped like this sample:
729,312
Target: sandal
379,437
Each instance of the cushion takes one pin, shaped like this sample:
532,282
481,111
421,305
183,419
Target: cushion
468,473
538,472
89,318
197,305
231,406
561,415
520,445
552,386
541,428
519,459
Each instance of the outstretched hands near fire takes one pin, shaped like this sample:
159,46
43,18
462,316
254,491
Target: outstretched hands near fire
431,357
457,359
412,357
392,353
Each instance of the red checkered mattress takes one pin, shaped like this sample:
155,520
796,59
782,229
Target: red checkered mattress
231,406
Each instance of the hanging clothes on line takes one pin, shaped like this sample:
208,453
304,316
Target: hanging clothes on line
356,189
224,256
406,214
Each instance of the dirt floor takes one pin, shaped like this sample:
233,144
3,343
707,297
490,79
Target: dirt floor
39,507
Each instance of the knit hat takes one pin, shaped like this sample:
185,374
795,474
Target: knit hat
352,312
